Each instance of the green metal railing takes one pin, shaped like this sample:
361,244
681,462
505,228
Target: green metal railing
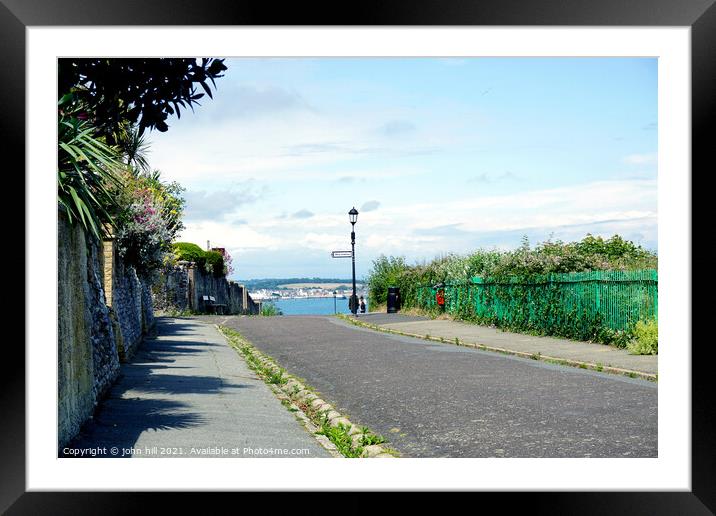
573,304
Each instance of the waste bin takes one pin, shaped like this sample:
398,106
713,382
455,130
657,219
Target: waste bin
393,299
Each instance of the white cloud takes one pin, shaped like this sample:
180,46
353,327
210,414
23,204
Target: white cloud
202,205
233,237
640,159
461,225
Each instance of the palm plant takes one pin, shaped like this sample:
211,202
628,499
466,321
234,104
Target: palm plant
85,172
135,148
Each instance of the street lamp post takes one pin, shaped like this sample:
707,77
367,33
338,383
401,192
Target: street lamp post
353,217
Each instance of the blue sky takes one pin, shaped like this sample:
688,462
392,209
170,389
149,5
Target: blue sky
438,155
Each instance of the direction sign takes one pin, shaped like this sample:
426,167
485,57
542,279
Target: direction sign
342,254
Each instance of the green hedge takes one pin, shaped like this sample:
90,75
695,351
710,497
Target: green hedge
215,263
209,261
534,290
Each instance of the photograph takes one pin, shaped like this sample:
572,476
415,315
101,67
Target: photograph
357,257
276,249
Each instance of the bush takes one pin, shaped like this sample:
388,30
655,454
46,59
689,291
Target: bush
143,233
646,338
269,309
187,251
214,263
519,279
210,261
386,273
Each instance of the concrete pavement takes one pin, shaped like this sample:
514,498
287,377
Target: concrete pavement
188,394
547,346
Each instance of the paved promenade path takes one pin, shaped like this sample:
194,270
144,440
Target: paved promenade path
440,400
494,337
188,394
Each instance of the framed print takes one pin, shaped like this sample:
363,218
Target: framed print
620,93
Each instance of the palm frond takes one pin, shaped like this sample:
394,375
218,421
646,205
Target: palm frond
86,167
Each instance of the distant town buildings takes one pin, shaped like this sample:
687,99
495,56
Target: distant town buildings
297,293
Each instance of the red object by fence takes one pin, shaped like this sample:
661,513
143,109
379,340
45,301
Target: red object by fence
440,297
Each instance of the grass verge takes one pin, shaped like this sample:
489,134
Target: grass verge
350,440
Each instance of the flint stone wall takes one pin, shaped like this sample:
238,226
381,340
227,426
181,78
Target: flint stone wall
88,362
184,286
104,309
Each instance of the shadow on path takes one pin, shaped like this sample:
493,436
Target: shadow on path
152,392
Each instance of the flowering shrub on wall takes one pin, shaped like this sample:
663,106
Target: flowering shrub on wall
148,222
228,263
142,238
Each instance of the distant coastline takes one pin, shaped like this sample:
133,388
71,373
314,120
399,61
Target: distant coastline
282,283
266,289
257,295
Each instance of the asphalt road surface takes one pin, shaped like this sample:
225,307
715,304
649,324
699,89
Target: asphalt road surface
441,400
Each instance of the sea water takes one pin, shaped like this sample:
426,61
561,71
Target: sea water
313,306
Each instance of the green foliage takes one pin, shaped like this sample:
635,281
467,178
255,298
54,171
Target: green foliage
214,263
339,436
86,172
369,439
120,93
104,108
135,149
646,338
590,254
187,251
386,273
269,309
210,261
147,219
554,288
276,377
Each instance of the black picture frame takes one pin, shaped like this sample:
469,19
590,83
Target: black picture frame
700,15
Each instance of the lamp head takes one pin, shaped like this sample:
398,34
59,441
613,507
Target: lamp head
353,215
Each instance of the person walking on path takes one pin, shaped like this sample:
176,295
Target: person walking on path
362,305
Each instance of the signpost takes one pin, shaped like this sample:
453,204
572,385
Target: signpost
344,254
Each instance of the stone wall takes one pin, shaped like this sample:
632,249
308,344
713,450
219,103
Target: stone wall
102,333
236,298
88,362
147,308
184,286
171,291
104,310
74,368
125,300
